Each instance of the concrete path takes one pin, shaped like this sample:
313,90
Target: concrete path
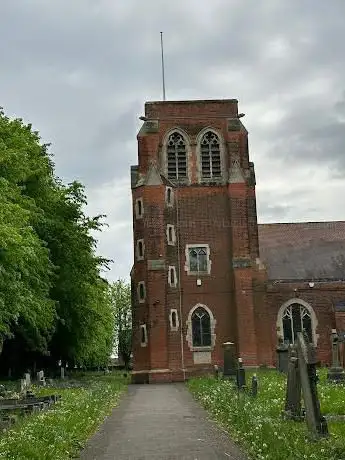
159,422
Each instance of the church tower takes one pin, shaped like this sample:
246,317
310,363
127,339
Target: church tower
195,240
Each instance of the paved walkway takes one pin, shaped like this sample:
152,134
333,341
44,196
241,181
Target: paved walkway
159,422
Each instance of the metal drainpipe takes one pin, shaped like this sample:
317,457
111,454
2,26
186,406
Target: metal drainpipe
179,280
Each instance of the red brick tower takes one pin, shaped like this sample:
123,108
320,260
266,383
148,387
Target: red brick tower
195,240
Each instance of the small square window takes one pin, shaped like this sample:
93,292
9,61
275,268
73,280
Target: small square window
172,278
198,259
139,208
140,249
141,291
171,236
143,335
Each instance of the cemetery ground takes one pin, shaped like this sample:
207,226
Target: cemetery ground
256,423
61,431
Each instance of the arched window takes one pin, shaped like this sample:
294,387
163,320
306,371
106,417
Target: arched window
210,156
296,318
201,328
176,157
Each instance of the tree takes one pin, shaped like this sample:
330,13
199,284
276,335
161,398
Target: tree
52,298
121,301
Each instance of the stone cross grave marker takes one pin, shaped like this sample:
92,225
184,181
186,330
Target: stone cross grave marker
306,354
336,372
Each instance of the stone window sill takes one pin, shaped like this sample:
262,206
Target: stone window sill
209,348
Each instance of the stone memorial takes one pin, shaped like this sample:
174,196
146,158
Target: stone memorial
336,372
41,379
230,362
240,375
282,351
27,378
254,388
293,409
306,354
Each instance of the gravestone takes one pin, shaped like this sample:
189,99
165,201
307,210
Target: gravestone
230,362
254,389
216,371
41,379
240,375
336,372
22,386
27,378
307,361
293,409
282,351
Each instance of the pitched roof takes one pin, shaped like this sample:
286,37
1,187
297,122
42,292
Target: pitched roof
305,250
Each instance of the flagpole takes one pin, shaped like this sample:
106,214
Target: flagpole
163,76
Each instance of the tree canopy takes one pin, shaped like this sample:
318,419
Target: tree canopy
53,301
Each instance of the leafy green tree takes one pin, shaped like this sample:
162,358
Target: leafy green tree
121,301
26,271
52,298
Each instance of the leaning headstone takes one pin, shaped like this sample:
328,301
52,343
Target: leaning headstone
240,375
306,352
336,372
230,362
293,408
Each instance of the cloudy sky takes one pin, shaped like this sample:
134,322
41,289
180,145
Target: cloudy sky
80,71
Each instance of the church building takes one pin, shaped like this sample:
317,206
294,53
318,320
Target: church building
204,271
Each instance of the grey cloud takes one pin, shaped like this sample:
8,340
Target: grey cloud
81,71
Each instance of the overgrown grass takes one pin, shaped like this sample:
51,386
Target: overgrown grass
257,424
61,432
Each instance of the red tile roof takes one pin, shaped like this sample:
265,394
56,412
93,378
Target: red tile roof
304,250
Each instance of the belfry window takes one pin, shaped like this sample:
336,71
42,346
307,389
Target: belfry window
176,157
210,156
296,318
201,328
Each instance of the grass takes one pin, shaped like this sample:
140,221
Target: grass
257,425
61,432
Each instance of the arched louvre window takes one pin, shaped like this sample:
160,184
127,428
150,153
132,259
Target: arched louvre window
210,156
296,318
176,157
201,328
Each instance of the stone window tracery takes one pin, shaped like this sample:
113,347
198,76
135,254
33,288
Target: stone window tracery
210,156
176,157
201,328
296,318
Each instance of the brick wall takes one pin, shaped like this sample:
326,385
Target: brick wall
321,298
244,304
